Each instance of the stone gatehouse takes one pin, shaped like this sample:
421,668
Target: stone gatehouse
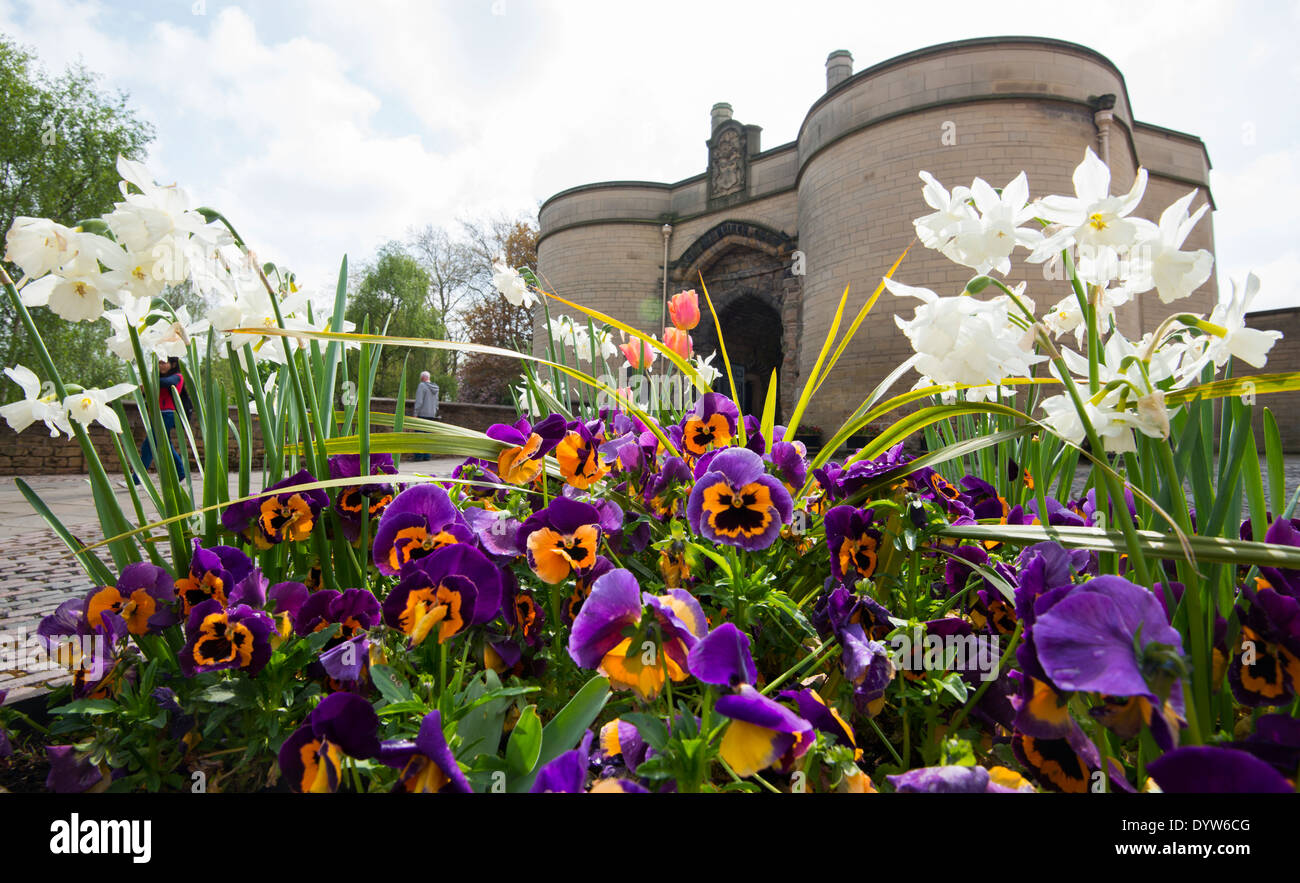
777,233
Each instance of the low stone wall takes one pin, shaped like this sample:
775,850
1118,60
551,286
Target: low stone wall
33,452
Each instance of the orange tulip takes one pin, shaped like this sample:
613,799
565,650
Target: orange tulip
678,341
684,309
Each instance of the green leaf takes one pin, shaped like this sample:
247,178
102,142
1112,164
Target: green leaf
390,684
567,727
525,745
87,706
651,728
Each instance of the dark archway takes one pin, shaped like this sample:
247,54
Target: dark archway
752,330
747,269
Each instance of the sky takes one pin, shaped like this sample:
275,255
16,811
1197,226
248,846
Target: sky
329,127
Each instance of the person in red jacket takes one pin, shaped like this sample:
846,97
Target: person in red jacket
171,393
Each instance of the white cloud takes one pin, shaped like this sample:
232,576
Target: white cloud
328,126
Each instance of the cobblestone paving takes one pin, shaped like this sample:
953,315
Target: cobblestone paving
38,573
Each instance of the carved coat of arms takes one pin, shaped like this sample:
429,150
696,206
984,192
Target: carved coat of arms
727,164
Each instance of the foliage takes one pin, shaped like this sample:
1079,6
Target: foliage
57,150
728,610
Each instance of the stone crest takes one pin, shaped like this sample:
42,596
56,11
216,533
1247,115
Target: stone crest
727,161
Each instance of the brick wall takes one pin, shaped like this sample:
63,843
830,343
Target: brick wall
33,452
1284,357
1012,104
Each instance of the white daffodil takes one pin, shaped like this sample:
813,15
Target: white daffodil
511,285
1092,219
984,241
131,314
1251,345
22,414
1112,425
1156,260
153,213
709,373
91,406
962,339
604,343
38,245
1067,315
76,293
951,211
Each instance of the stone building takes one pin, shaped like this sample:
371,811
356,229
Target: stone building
778,232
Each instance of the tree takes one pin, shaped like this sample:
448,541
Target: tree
393,292
58,153
491,319
451,264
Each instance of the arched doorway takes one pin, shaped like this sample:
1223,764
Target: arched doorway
747,270
752,330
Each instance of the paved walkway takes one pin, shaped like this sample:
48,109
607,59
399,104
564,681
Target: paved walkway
38,573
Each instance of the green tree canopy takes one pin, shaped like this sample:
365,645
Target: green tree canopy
58,159
395,291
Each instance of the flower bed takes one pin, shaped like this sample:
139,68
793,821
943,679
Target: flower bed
618,594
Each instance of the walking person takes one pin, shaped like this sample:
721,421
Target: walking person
426,404
171,392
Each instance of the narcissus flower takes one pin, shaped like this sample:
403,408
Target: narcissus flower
218,638
1251,345
311,760
142,598
984,241
511,284
91,406
419,521
1158,262
33,406
1092,218
562,539
963,339
450,590
426,764
762,733
737,503
684,309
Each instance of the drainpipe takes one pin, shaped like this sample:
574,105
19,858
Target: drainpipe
667,230
1103,115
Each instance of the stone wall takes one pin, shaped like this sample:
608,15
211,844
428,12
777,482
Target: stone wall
33,452
1284,357
845,192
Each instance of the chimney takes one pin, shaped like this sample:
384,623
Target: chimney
720,114
839,67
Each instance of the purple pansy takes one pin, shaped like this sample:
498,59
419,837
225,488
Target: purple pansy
737,503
